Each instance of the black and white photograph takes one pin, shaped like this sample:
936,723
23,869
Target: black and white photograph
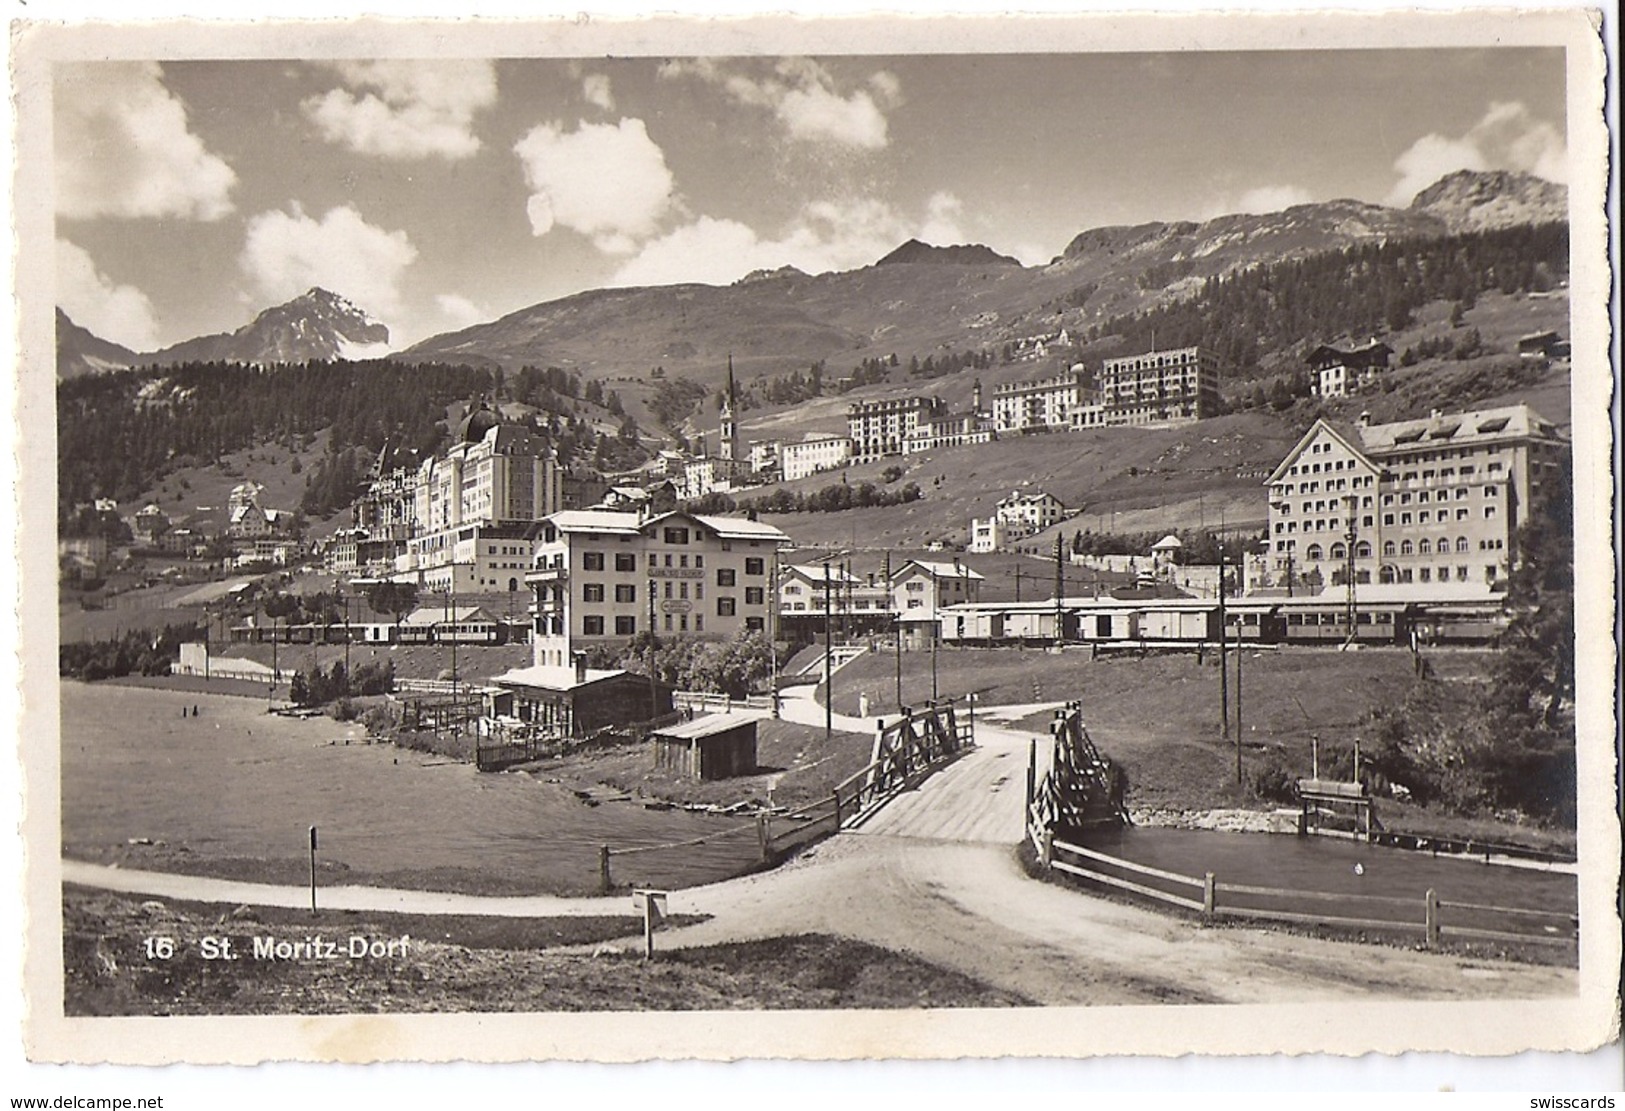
611,542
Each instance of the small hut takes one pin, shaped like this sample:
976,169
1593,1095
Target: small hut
716,746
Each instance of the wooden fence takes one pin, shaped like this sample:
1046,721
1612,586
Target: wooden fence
1214,900
1081,789
906,752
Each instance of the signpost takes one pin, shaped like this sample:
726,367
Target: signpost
653,905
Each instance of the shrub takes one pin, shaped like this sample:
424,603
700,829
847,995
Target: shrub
1274,781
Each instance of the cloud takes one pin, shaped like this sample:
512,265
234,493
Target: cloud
825,235
1258,200
288,252
607,181
1508,137
121,313
405,110
459,310
123,148
806,99
595,87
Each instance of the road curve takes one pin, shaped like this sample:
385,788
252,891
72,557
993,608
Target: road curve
935,873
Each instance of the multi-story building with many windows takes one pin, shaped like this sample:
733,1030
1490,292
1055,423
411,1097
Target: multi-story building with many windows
1159,387
883,427
817,452
600,577
1427,501
1042,404
855,604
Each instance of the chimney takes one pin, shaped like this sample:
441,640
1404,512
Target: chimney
580,661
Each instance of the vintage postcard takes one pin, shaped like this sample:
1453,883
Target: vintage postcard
825,539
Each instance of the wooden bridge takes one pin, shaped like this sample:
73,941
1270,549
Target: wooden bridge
1081,790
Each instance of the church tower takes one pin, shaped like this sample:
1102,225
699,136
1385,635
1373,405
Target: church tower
728,440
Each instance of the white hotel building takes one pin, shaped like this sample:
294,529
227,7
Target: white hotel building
600,577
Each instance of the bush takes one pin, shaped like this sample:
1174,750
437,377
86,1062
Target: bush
379,720
344,709
1274,781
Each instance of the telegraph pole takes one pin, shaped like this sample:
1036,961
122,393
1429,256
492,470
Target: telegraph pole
896,634
1060,637
1353,534
829,673
1224,667
654,699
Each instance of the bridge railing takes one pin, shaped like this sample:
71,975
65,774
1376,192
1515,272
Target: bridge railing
1434,918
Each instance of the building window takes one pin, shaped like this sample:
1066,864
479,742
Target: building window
625,626
1407,548
626,592
592,592
699,622
626,561
1461,544
1388,518
1424,546
1489,512
592,561
754,595
752,623
667,623
725,576
755,565
725,607
1461,574
675,535
592,625
1314,552
699,561
1339,552
1461,514
1425,574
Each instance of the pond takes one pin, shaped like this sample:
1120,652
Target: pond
236,782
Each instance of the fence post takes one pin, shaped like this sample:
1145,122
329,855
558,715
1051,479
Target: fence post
1209,896
1433,918
836,795
603,868
761,835
1032,773
1047,850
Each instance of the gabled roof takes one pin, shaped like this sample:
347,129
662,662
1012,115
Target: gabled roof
596,520
428,616
742,528
1322,425
814,572
938,570
1502,423
554,678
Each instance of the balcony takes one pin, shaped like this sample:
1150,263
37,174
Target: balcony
548,575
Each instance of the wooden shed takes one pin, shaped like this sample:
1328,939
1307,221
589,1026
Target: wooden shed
716,746
575,701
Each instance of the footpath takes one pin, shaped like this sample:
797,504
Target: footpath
935,874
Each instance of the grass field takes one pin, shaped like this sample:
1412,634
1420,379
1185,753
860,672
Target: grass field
1158,716
465,964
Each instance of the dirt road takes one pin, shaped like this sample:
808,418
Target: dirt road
935,874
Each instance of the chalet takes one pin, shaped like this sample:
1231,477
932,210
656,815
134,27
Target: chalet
1339,373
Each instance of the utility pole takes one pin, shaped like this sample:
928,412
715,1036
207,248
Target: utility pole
1238,702
896,634
1353,534
772,631
654,699
1018,584
829,672
1060,633
936,630
1224,667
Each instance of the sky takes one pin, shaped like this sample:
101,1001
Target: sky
440,193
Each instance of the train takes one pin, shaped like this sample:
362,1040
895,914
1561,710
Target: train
1109,622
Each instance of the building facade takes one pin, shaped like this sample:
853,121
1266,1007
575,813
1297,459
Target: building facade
1337,373
1435,500
855,604
1043,404
921,589
814,454
1159,388
950,430
600,577
1024,514
881,428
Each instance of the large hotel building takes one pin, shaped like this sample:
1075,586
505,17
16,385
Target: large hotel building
600,577
1434,500
1159,387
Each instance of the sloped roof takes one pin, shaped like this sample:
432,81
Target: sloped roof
939,570
554,678
596,520
708,725
1500,423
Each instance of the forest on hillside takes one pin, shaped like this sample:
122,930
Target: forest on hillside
118,434
1261,314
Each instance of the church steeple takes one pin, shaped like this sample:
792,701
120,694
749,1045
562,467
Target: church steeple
728,440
